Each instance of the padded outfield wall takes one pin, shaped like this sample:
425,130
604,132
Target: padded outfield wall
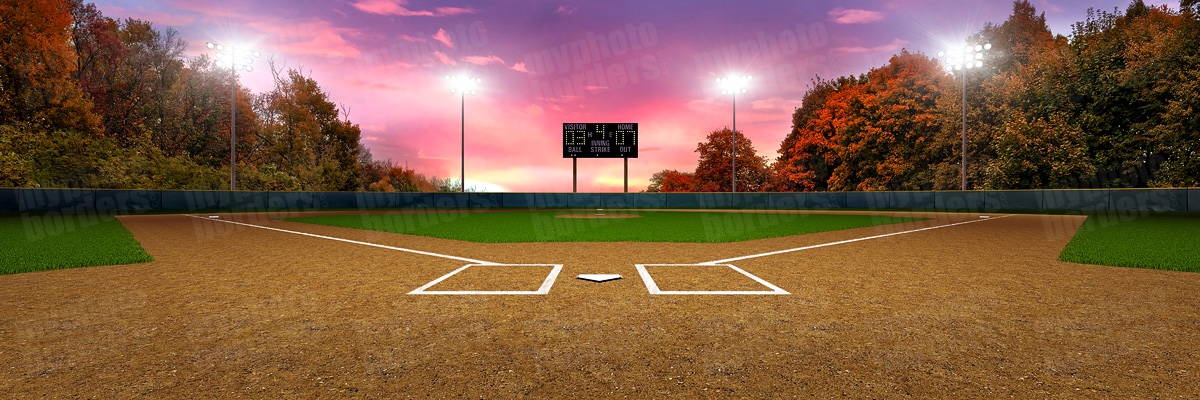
21,200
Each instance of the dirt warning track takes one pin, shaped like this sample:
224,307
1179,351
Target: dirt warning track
977,310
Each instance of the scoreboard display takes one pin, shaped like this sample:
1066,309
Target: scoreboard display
600,140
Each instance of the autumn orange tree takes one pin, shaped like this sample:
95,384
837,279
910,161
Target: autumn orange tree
713,172
875,132
36,66
669,180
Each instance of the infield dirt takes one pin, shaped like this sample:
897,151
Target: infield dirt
979,310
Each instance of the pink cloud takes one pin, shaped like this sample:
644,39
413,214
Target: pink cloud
441,36
375,128
565,10
1047,5
455,10
397,7
854,16
519,67
777,104
388,7
422,156
205,7
480,60
413,38
445,59
156,17
896,44
313,37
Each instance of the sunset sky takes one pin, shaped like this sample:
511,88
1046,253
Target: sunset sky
544,63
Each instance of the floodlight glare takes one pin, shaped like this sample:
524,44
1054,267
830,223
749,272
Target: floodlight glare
462,84
235,59
957,59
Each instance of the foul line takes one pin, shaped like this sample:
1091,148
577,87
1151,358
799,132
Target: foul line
728,260
473,261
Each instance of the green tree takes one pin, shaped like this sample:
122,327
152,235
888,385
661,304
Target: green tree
305,134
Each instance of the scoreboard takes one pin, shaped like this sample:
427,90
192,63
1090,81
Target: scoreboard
600,140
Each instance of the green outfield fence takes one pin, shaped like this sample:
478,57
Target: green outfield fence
20,200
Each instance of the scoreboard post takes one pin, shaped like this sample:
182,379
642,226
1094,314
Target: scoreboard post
599,140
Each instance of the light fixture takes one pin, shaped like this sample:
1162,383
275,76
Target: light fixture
463,85
969,57
732,85
235,59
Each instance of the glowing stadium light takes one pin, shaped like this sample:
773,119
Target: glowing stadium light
732,85
234,59
958,59
463,85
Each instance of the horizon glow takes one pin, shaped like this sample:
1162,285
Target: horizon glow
546,63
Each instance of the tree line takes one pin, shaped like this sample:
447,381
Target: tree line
1109,106
92,101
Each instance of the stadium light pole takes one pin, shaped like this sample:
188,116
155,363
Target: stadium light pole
963,59
732,85
233,58
463,85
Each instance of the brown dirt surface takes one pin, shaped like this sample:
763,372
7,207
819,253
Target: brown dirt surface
978,310
598,215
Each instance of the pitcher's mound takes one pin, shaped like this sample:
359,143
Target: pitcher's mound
598,215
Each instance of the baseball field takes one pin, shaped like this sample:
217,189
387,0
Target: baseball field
711,303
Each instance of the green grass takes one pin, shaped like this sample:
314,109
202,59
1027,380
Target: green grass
56,241
1154,241
654,226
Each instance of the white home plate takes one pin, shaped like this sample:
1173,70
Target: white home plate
213,216
599,277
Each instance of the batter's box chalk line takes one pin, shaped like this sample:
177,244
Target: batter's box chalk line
544,289
652,287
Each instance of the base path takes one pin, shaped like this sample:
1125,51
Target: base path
976,310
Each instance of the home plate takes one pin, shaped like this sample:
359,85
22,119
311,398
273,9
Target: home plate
599,277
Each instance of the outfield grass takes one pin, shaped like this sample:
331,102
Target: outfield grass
1156,241
55,241
653,226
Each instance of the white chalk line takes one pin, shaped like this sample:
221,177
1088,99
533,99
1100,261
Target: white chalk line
652,286
470,260
728,260
544,289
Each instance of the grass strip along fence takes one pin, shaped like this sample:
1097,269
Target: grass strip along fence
56,241
651,226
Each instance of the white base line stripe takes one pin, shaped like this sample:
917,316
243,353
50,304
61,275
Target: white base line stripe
728,260
351,241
